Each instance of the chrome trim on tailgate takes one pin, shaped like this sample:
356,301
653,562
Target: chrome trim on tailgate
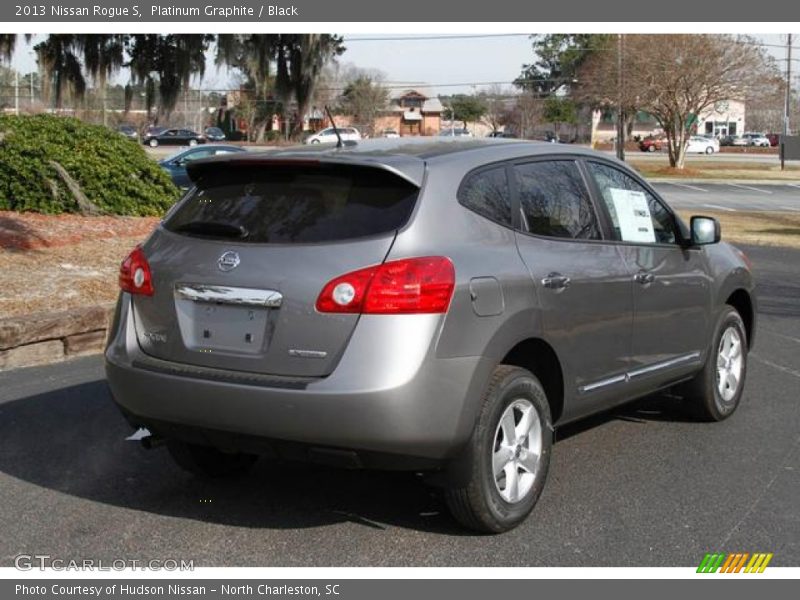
219,294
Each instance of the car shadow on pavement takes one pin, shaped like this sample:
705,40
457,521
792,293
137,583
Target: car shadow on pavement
72,440
659,407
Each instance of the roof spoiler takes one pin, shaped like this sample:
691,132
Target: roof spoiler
208,167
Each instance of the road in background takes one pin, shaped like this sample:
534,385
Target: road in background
639,486
731,197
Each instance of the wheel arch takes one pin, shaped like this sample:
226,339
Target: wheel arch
539,357
741,300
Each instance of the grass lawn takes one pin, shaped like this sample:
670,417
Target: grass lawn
765,228
718,170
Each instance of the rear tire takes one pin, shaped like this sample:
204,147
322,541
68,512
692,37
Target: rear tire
193,142
208,462
715,392
709,150
505,464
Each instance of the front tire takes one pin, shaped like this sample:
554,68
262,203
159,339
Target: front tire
153,143
709,150
193,142
208,462
505,464
715,392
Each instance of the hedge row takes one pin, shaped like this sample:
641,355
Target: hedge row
113,172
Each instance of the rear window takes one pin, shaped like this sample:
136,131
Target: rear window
286,204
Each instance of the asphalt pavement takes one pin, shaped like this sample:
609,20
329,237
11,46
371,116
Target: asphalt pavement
639,486
731,197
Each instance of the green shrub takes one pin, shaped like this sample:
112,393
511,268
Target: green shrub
114,173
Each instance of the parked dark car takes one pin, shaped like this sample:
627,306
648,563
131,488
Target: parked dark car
176,164
548,136
173,137
214,134
733,140
129,131
309,304
152,130
502,134
651,144
774,139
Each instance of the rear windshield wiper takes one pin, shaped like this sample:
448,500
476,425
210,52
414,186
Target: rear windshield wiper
212,228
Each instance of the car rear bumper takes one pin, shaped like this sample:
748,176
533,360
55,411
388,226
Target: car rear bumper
388,393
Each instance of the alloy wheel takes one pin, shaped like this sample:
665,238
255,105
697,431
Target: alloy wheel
730,363
517,450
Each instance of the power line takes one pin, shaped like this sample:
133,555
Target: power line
406,38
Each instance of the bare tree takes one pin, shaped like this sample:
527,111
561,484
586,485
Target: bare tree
526,114
765,106
498,112
675,78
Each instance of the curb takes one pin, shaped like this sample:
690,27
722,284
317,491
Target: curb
44,338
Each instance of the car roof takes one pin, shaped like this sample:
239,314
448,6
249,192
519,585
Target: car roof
407,156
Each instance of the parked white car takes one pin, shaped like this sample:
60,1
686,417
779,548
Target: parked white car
328,136
390,133
757,139
702,145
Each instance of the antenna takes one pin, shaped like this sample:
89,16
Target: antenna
339,143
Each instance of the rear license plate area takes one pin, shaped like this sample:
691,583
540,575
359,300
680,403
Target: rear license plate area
216,327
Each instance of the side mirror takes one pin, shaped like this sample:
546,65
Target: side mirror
705,230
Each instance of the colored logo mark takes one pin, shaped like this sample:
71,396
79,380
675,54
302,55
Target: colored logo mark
738,562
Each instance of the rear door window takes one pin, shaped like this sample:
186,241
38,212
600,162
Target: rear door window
554,201
285,204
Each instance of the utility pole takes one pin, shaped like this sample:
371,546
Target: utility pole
788,104
620,120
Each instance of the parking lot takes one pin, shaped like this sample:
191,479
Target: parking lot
640,486
731,197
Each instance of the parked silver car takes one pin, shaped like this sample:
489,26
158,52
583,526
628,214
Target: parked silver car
436,305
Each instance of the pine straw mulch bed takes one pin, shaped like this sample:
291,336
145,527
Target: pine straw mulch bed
58,262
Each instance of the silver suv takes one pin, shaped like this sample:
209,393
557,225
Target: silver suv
435,305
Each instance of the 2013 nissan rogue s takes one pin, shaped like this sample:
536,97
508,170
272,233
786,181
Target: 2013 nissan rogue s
436,305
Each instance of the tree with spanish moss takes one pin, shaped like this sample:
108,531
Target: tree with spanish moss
165,65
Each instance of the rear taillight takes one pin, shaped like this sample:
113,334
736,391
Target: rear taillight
135,276
407,286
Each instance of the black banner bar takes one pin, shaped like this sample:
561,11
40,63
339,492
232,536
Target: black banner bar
304,11
728,587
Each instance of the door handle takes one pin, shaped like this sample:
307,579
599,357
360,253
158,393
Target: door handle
556,281
644,278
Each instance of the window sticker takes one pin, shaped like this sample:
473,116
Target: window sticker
633,215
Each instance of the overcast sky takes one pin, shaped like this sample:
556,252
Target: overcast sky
438,62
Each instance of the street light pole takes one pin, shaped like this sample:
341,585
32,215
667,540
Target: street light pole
620,122
788,103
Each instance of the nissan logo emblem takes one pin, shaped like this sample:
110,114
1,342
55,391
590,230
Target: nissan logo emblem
228,261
